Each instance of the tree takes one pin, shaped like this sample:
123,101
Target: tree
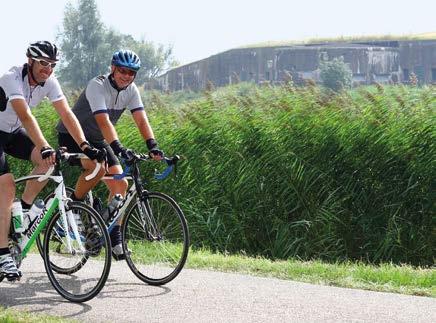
81,43
336,74
87,46
154,59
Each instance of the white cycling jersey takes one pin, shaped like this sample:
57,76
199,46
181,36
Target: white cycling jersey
14,84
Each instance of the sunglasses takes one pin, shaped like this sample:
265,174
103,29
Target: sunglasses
44,63
124,71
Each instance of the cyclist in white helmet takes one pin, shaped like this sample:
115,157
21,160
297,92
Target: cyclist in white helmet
21,89
98,109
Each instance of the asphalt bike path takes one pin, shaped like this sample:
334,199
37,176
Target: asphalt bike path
206,296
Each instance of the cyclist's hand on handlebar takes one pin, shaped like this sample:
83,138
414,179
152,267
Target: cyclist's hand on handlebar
95,154
48,155
153,149
156,154
126,154
121,151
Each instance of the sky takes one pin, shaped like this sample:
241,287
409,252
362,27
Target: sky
200,28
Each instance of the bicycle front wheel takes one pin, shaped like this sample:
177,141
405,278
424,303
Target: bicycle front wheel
156,239
72,267
64,249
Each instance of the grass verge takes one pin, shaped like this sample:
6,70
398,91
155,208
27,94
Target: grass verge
402,279
12,316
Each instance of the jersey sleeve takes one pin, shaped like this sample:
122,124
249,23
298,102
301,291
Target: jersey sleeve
135,102
95,97
12,86
55,93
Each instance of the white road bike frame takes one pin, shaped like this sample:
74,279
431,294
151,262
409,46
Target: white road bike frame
59,200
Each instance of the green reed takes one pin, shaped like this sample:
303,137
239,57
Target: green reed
287,172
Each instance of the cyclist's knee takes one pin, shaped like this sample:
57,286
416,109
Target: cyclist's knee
40,165
37,160
122,185
101,173
8,188
89,167
118,186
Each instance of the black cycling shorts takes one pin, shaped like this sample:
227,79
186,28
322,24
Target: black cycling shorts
16,144
65,140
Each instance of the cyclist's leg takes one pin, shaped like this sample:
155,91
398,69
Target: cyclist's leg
22,147
82,185
7,194
115,187
114,167
8,267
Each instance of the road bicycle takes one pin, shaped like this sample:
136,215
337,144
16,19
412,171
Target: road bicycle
73,233
154,231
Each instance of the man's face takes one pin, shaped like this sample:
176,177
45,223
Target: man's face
123,76
42,68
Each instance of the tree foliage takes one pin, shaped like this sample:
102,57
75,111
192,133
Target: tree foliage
336,74
87,46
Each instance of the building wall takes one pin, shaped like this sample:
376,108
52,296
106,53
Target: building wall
389,61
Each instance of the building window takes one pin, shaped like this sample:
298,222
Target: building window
406,75
420,74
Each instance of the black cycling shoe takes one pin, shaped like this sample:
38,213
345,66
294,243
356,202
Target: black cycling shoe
93,243
118,253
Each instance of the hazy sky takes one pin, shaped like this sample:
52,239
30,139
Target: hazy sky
198,29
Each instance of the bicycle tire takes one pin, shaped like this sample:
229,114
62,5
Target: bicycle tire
155,256
72,287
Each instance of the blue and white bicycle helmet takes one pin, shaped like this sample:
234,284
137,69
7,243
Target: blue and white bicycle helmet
127,59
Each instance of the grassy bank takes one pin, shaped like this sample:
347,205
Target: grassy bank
402,279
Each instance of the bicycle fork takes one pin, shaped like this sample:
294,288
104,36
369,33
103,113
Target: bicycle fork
68,220
148,221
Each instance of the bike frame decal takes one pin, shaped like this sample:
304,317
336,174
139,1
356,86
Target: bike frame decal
38,225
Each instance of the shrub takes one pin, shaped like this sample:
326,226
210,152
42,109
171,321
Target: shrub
335,74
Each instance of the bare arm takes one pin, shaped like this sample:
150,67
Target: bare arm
69,120
143,125
106,127
29,123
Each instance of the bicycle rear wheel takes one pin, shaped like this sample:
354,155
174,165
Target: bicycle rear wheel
156,239
84,284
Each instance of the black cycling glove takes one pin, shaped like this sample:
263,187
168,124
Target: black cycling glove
121,151
153,148
95,154
46,152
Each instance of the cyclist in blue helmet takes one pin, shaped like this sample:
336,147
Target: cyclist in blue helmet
98,109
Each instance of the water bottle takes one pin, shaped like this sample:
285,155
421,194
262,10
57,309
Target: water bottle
35,211
17,216
112,206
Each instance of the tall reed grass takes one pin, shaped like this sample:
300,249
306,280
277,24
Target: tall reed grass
298,172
